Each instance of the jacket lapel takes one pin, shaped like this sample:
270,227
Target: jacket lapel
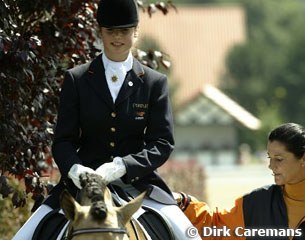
97,80
132,82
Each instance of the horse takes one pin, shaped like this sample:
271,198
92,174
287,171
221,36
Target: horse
96,216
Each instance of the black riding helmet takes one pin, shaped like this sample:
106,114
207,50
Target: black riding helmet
117,13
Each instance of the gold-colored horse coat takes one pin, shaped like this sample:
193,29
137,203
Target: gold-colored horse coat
96,217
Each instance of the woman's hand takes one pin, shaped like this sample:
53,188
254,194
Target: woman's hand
183,199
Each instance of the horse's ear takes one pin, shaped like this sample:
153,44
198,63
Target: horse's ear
126,211
108,197
69,205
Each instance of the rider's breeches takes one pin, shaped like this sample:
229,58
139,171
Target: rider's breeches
27,230
181,225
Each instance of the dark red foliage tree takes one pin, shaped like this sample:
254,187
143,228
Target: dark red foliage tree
39,40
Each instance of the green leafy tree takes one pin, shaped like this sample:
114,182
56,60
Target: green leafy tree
265,74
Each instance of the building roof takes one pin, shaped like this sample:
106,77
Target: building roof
197,39
230,106
211,106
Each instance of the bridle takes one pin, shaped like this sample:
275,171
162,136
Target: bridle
72,233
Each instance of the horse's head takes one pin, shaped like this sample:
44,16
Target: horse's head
97,217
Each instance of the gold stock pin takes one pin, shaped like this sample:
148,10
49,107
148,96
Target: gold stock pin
114,78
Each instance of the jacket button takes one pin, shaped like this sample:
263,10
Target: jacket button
112,129
113,114
112,144
136,178
132,180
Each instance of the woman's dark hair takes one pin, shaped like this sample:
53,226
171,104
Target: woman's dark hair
292,135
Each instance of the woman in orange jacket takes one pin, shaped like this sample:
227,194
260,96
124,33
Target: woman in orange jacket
271,212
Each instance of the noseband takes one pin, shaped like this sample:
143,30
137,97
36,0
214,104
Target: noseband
81,231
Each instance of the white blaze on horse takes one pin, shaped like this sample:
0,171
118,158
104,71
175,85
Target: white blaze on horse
96,217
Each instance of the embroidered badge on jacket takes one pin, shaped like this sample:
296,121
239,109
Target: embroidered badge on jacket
140,115
140,110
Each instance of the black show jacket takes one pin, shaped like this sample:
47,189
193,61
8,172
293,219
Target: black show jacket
91,129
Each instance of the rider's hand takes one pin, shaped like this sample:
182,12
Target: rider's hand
75,171
112,170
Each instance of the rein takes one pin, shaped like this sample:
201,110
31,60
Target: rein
81,231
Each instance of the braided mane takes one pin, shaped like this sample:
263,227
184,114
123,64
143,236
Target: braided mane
94,187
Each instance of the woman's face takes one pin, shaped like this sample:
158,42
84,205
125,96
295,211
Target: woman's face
118,42
286,167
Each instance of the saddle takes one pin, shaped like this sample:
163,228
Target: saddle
149,220
51,227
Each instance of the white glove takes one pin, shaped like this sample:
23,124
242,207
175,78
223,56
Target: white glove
75,171
112,170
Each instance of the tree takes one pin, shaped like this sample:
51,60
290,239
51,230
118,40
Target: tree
38,42
265,74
